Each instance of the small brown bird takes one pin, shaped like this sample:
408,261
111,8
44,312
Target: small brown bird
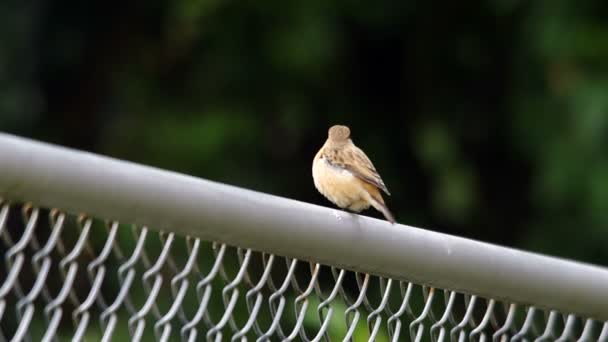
346,176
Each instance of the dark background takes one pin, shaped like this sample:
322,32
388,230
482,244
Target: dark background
486,119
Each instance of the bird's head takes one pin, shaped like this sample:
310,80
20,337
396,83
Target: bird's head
339,133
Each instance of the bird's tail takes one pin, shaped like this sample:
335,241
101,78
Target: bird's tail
381,207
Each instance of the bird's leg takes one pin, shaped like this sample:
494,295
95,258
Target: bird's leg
352,212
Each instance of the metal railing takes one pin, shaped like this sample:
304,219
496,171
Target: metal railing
81,262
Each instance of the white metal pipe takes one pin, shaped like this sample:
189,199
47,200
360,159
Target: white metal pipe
75,181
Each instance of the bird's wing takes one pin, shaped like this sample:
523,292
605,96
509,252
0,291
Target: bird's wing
354,160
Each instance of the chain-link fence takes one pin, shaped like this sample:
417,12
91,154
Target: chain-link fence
106,276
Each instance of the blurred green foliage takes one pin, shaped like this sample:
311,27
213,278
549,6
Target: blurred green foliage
486,119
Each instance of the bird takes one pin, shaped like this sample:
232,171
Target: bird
344,175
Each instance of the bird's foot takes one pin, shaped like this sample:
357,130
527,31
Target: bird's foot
337,215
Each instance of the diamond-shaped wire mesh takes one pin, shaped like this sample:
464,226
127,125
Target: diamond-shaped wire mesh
78,277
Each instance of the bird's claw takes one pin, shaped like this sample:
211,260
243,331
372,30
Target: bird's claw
337,215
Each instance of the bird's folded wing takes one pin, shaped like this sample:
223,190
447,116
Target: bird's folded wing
355,161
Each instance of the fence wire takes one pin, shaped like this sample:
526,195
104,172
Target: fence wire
67,276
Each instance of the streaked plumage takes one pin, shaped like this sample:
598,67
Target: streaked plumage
345,175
